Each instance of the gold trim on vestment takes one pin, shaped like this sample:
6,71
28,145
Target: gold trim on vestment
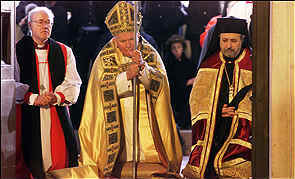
199,143
100,130
121,18
211,123
205,94
110,99
110,108
244,115
191,171
233,162
241,142
199,117
236,72
238,167
245,106
238,170
235,120
221,152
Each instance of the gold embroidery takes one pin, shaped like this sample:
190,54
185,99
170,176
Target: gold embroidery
245,106
220,154
108,77
233,162
199,117
241,142
236,72
211,122
121,18
112,68
239,170
202,93
156,85
199,143
111,111
244,115
191,171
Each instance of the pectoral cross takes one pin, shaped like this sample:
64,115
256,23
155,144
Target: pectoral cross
42,88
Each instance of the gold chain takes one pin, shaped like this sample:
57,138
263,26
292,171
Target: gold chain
229,84
230,87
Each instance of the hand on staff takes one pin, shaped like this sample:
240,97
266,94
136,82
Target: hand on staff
136,57
137,65
45,99
227,111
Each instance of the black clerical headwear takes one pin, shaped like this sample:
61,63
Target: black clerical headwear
231,25
223,25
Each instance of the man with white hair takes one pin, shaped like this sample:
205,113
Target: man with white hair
49,68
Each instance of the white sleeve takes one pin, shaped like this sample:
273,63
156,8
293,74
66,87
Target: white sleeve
20,91
144,76
70,88
32,99
124,86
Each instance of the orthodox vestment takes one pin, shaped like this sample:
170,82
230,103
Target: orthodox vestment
221,145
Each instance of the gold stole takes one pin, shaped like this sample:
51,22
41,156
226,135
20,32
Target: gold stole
110,99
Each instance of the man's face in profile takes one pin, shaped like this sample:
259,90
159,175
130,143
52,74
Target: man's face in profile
230,44
126,43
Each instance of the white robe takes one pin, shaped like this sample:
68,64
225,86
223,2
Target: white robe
124,89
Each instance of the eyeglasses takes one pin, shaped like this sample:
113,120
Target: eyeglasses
42,22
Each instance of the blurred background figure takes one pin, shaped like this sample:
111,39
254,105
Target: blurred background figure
60,29
23,23
241,9
199,14
161,19
88,34
181,74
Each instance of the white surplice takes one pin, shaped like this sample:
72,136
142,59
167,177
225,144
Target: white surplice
70,88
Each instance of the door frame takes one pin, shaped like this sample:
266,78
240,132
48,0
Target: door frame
260,111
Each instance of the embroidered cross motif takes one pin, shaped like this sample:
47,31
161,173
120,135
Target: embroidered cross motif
113,138
42,88
108,95
111,116
155,85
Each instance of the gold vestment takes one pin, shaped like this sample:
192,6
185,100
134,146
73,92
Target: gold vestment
101,131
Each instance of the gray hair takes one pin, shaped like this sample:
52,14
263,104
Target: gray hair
38,9
30,7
